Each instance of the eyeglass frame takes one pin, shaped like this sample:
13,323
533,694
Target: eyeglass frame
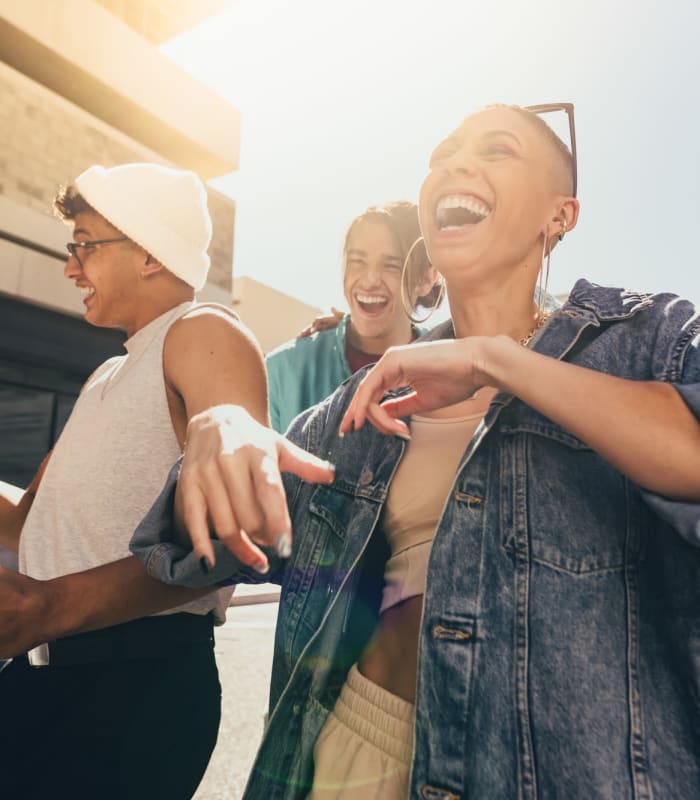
568,108
73,247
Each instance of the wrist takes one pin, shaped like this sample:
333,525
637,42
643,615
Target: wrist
62,612
495,361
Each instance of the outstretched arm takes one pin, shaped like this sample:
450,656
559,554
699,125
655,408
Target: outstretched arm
643,428
32,612
230,478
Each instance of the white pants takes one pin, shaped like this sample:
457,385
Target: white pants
365,748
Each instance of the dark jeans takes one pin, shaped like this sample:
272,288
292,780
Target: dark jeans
122,729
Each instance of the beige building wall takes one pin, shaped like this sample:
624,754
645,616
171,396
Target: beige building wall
80,51
272,316
46,141
161,20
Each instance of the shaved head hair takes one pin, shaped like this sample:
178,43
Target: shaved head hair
564,172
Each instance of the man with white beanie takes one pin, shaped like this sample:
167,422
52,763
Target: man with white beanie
130,710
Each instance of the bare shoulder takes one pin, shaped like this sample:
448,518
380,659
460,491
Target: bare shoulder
210,325
210,358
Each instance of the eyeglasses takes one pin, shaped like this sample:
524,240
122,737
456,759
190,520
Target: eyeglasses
547,108
74,247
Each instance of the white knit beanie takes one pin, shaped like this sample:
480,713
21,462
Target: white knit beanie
164,210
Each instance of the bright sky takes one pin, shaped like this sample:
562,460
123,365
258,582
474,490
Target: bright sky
342,103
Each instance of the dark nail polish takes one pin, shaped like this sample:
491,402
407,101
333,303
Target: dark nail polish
283,545
205,565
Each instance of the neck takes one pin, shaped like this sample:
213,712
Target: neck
155,306
489,311
376,345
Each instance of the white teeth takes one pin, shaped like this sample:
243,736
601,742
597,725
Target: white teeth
467,201
370,298
87,291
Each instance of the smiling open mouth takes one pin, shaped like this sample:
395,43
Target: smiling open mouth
371,304
458,210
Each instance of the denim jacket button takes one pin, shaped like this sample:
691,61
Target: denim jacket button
433,793
366,477
455,634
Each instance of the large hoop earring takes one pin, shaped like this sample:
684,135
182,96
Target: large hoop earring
407,308
544,267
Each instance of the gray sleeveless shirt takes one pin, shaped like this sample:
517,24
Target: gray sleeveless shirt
108,466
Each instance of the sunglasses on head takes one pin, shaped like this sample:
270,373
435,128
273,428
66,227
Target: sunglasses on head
568,108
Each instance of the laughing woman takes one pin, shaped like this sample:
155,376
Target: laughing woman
304,371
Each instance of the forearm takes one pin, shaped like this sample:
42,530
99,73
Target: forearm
643,428
108,595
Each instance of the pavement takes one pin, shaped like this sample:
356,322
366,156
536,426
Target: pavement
244,657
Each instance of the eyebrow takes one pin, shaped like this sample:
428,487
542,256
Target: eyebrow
494,134
78,231
457,137
357,252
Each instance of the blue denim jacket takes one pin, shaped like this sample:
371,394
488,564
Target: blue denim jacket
560,645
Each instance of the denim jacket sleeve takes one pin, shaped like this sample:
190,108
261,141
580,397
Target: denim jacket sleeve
678,351
153,544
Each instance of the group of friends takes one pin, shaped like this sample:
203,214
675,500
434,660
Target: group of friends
487,542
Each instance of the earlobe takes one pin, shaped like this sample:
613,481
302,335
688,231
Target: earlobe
150,267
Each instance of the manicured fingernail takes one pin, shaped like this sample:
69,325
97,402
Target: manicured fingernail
262,567
403,436
330,466
341,434
205,565
283,545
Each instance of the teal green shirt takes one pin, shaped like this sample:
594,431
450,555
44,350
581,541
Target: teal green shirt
302,372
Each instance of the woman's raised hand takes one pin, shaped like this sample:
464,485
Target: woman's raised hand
439,374
230,484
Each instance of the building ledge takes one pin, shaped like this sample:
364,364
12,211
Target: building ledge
83,53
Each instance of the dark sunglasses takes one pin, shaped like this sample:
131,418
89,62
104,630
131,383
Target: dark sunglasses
75,247
547,108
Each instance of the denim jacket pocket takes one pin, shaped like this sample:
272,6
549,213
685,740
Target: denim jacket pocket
543,469
334,533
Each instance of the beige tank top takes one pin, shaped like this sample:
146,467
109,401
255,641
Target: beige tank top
417,497
108,467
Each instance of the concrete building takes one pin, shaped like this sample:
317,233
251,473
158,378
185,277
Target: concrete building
83,82
274,317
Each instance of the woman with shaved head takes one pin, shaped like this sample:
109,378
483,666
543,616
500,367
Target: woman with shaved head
496,592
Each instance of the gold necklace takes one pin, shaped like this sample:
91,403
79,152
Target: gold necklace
541,319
